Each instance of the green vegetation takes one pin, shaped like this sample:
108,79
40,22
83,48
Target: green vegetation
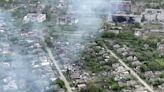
92,87
162,75
5,3
150,1
114,85
92,63
50,16
144,68
156,4
153,26
18,14
48,41
92,57
68,27
149,56
118,26
60,83
14,40
157,82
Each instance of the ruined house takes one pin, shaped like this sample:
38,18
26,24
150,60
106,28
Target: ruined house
122,6
67,19
161,48
126,18
34,17
153,15
149,32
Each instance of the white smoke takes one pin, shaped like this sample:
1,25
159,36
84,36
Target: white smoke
88,13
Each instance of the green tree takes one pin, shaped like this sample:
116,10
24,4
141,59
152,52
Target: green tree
115,86
48,41
60,83
108,35
144,68
154,66
91,87
143,18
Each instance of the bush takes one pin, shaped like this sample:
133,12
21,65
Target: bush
60,83
91,87
144,68
154,66
157,83
115,86
108,35
126,36
48,41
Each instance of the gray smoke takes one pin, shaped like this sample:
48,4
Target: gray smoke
88,13
19,75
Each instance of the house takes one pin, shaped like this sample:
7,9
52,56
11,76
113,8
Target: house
67,19
36,8
152,15
126,18
161,48
75,75
136,63
120,73
61,4
150,32
115,65
5,49
44,61
161,87
34,17
81,86
116,46
156,32
140,88
5,65
115,30
10,84
131,82
149,74
121,6
139,32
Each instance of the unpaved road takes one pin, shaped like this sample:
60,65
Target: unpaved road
131,70
67,85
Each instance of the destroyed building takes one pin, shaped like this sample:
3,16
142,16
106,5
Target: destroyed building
123,12
67,19
153,15
122,6
126,18
34,17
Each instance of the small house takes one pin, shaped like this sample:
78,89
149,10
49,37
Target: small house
34,17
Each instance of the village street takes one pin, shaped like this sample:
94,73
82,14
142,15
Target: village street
54,62
130,69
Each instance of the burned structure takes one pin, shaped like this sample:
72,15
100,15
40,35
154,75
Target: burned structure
120,18
123,12
122,6
153,15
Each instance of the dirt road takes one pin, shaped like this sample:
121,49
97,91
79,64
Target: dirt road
131,70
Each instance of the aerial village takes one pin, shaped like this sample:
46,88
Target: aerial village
125,54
